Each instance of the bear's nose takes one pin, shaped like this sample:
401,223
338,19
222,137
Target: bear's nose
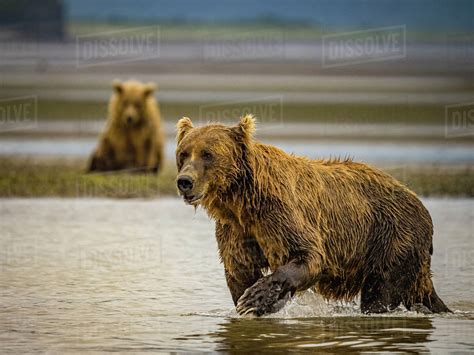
185,183
129,119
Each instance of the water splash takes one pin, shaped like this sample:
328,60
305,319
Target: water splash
309,304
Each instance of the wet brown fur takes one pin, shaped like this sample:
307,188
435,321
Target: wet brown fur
135,145
356,228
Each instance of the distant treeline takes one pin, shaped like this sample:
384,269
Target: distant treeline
42,19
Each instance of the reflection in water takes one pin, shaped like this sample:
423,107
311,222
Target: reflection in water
335,334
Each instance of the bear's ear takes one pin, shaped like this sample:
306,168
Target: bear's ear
184,125
246,127
117,85
150,88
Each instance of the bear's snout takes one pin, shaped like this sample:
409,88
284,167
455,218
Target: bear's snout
185,183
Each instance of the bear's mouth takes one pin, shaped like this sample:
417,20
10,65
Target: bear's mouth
193,199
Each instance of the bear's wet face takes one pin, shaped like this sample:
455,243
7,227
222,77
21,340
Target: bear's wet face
203,157
131,100
206,159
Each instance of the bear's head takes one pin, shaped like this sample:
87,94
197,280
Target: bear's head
210,158
129,102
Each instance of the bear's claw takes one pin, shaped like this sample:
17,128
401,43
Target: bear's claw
266,296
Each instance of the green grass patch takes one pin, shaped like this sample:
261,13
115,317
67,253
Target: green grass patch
438,181
179,30
77,110
339,113
30,178
187,31
67,178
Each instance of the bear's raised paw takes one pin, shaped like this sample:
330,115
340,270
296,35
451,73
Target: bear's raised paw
267,295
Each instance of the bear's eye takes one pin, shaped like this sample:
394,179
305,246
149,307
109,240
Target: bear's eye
182,157
206,155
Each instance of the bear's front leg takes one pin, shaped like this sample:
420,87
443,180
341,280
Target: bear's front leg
242,258
270,293
103,158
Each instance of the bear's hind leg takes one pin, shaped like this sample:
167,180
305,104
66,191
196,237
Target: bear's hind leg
378,295
434,303
423,292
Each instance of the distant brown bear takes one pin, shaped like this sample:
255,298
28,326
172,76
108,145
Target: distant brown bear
337,226
133,138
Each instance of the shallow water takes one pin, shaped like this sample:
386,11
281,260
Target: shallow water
387,152
139,275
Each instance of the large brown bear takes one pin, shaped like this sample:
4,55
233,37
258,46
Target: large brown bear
337,226
133,138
